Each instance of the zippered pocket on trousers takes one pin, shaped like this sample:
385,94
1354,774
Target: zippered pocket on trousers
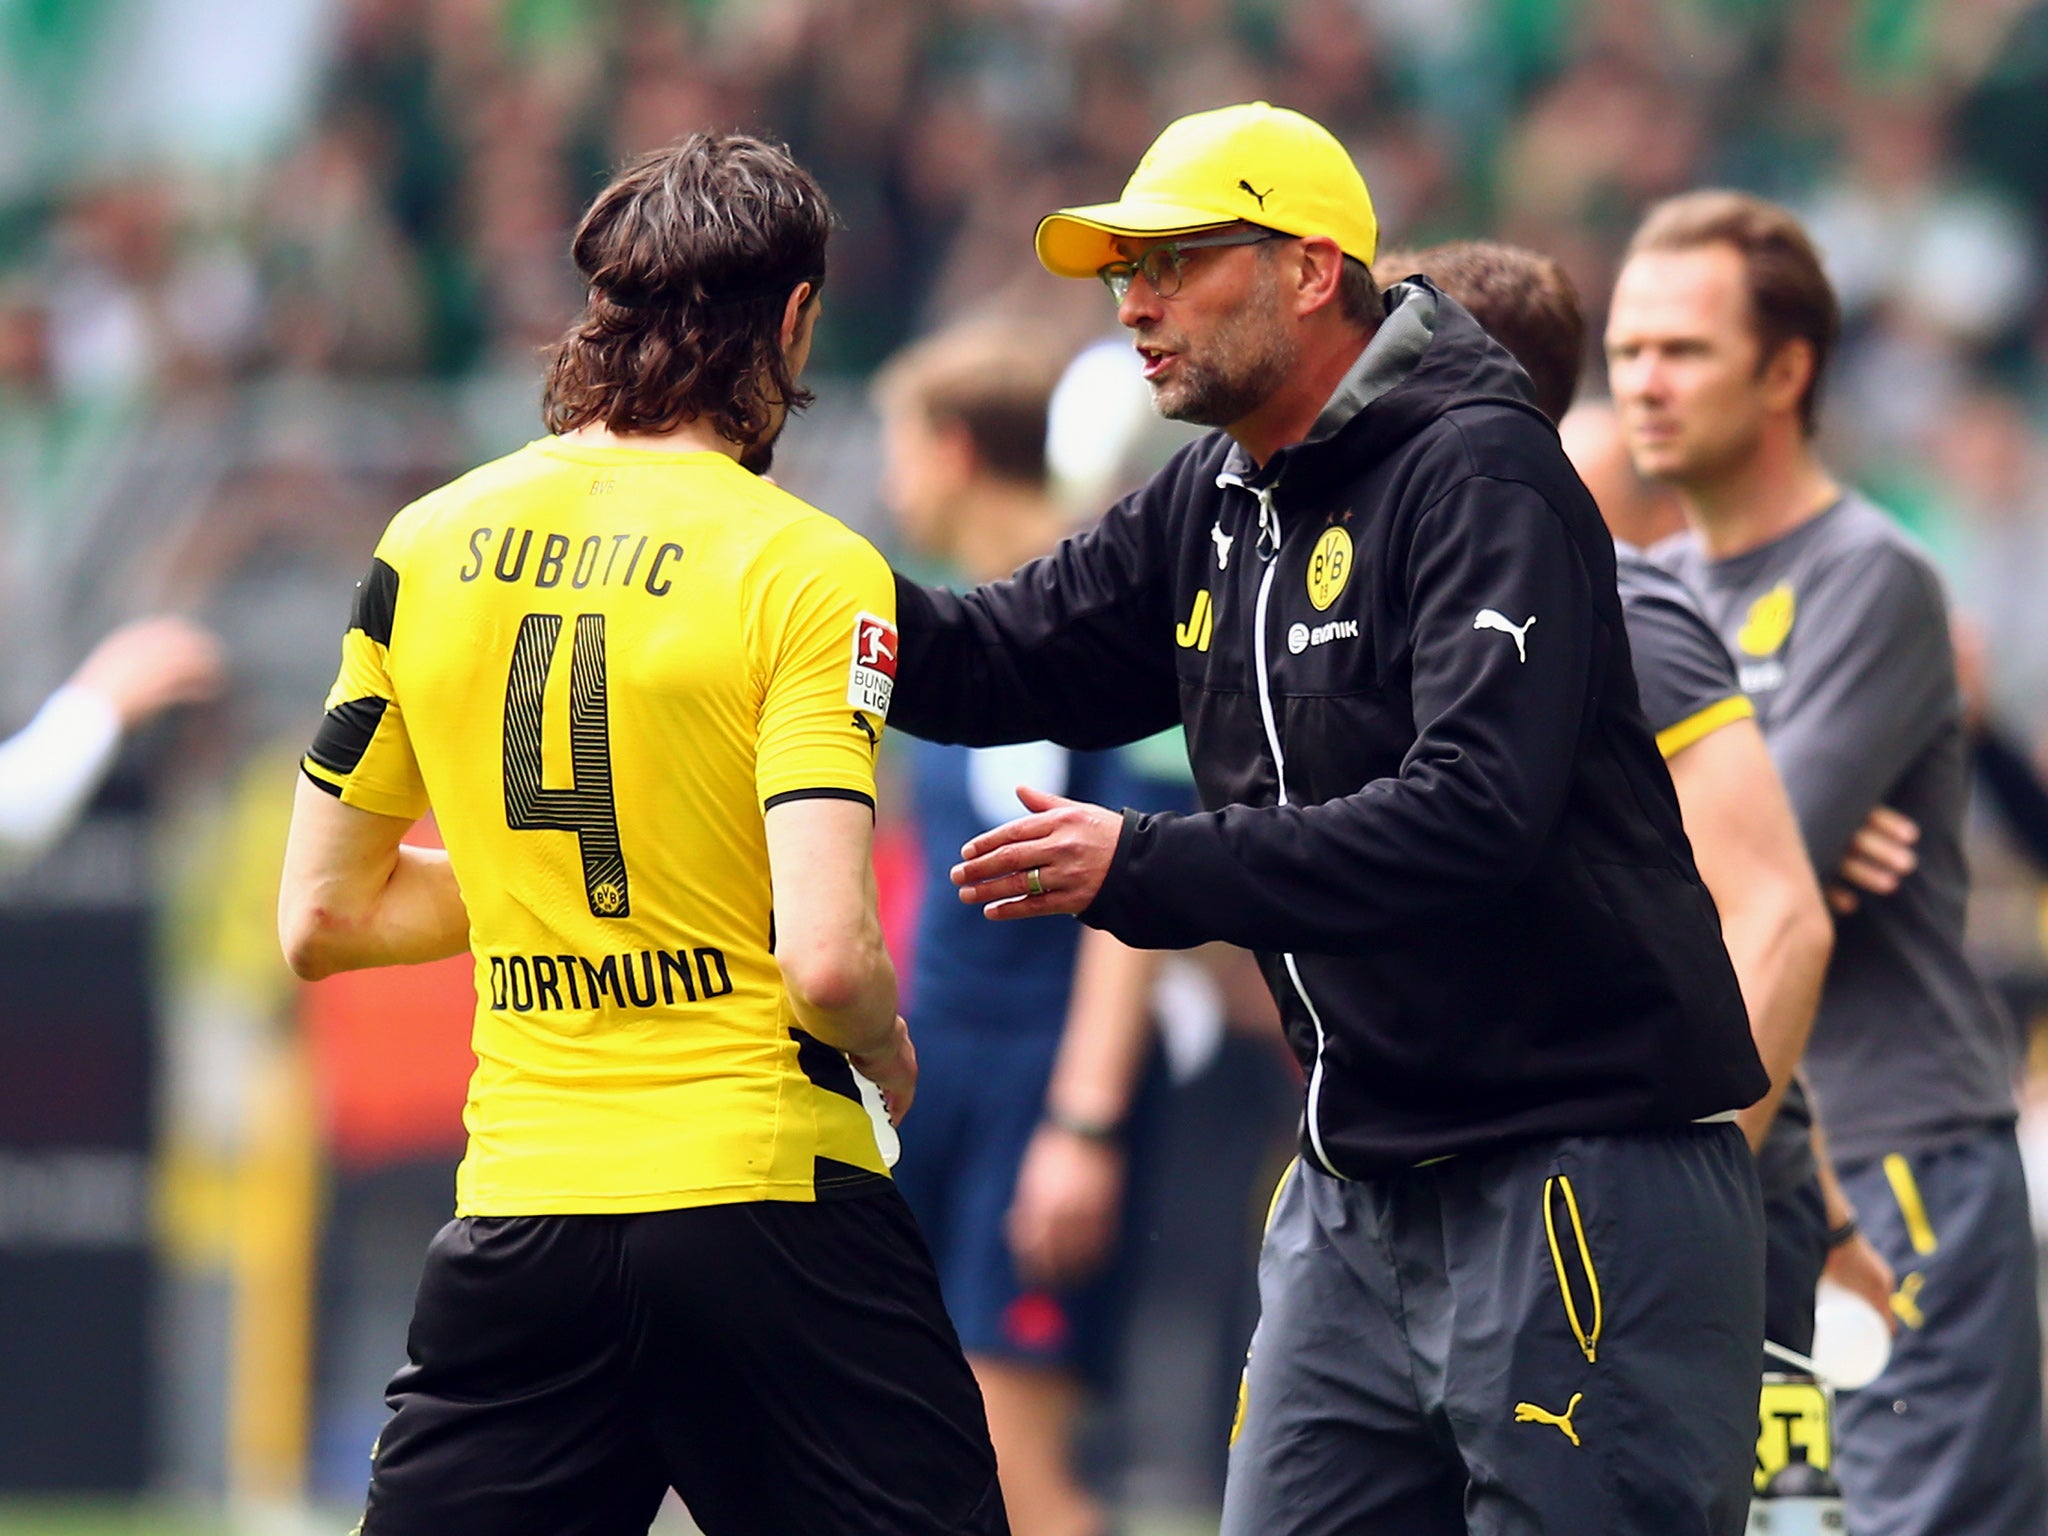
1571,1257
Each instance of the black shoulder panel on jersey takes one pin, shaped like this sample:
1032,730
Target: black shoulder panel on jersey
825,1067
345,732
376,603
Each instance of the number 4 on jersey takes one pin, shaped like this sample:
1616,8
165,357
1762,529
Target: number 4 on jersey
586,807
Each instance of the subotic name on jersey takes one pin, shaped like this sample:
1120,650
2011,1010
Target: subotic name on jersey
632,979
590,562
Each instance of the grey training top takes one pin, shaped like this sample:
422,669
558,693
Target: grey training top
1684,673
1840,634
1687,682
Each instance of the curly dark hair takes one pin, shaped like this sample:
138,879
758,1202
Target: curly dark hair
691,255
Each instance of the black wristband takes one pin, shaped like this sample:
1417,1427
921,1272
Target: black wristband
1840,1235
1105,1133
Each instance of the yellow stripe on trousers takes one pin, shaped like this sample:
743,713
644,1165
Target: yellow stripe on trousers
1906,1190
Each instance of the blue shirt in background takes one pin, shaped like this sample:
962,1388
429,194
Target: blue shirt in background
970,973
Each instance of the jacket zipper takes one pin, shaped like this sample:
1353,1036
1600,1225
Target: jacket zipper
1268,546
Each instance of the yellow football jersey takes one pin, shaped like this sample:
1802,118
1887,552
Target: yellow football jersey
599,666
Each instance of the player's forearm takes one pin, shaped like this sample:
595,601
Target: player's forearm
1780,955
1834,1199
1747,845
354,896
1108,1026
828,936
415,914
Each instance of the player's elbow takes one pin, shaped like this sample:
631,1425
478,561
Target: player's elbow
827,978
1810,932
1775,919
831,972
309,936
308,960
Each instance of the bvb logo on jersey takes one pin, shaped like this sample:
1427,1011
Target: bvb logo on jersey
1329,567
1769,622
606,899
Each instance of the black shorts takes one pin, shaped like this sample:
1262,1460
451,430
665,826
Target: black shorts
787,1368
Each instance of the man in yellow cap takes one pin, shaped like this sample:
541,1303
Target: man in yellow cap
1514,1283
1241,176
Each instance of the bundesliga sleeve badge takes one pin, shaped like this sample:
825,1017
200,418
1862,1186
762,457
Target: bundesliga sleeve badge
873,675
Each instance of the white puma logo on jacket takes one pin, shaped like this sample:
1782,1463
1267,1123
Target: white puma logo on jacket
1493,618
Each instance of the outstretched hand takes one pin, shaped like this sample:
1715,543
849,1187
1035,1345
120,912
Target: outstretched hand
145,667
1069,843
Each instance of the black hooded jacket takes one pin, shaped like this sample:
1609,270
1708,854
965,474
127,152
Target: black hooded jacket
1434,808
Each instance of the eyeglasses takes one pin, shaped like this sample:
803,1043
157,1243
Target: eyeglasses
1165,263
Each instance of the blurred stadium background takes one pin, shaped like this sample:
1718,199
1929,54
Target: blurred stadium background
269,268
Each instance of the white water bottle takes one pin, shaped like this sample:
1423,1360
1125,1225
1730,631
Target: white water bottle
885,1133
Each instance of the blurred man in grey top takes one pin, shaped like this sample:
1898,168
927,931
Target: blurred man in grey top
1716,340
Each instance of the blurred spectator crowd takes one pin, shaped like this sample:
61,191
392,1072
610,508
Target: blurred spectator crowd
412,222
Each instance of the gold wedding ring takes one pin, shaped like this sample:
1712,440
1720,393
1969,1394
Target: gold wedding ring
1032,883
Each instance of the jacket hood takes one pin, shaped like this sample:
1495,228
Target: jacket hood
1427,356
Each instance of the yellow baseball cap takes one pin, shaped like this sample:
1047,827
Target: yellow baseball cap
1258,163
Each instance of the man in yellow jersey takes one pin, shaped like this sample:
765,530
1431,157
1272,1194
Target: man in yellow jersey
642,688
